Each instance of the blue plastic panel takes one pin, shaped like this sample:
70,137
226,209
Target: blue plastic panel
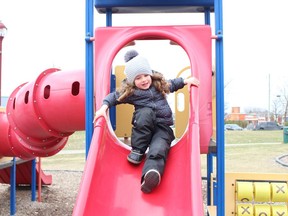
153,6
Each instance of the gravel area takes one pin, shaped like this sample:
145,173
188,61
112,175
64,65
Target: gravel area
57,199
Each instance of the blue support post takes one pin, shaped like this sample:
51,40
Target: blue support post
108,17
89,78
209,155
209,171
112,110
13,187
33,182
220,109
207,16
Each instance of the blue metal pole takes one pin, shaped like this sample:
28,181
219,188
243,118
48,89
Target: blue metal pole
220,109
89,78
209,155
33,182
207,16
209,171
112,110
108,17
13,187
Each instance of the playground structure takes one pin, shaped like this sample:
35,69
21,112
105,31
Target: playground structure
54,108
102,132
47,123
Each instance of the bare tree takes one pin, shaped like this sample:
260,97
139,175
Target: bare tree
283,98
258,111
277,109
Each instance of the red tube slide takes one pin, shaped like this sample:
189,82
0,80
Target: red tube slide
40,115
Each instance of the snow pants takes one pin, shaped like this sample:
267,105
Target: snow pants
147,133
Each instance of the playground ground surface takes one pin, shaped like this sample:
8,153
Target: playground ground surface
245,151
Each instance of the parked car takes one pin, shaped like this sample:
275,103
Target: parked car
268,126
232,127
251,126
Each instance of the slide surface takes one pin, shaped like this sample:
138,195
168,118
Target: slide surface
111,185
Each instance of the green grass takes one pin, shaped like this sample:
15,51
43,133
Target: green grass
255,158
64,162
254,151
68,161
247,136
76,141
245,151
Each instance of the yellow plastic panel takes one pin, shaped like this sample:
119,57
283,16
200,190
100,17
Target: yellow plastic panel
262,191
124,112
181,107
245,209
279,210
244,191
262,210
279,192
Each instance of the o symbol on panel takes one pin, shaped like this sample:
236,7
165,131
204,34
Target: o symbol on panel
245,200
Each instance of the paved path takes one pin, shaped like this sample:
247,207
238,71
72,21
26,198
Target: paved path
72,152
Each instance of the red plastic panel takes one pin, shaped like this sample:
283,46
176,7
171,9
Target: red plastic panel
195,40
24,175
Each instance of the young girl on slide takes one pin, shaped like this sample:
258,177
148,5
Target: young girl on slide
152,118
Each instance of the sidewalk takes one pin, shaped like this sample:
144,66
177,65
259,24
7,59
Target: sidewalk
67,152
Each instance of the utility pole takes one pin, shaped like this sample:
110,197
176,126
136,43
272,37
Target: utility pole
2,34
269,97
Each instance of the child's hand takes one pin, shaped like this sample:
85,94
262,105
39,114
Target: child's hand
191,81
100,112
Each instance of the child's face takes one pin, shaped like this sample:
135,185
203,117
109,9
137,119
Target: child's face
143,81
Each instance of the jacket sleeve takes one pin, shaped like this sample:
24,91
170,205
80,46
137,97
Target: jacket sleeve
111,99
175,84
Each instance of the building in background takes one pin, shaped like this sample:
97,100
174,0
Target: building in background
235,115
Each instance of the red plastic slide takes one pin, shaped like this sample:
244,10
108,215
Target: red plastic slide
111,185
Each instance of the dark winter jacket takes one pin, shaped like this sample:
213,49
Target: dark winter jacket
149,98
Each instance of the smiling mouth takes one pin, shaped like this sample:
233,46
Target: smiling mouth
145,84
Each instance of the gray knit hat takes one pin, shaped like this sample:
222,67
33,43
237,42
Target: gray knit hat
135,65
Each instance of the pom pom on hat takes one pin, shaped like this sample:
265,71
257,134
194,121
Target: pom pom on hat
135,65
130,55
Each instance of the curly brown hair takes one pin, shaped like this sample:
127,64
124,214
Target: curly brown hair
158,81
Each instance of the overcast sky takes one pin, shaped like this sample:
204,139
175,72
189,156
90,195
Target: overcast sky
43,34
